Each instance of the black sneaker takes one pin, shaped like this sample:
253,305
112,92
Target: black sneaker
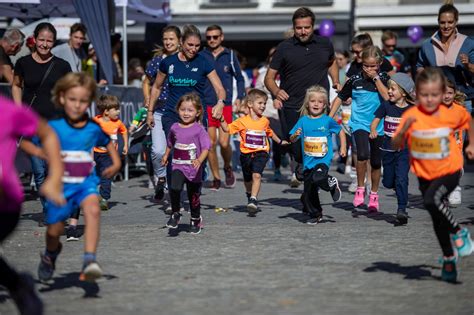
195,225
334,189
402,216
174,220
252,206
248,197
25,296
72,234
47,265
160,189
315,220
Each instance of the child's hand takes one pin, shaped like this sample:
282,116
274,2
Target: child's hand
277,104
164,160
132,128
470,151
373,134
284,143
371,73
343,151
53,191
125,150
110,171
196,163
298,132
410,120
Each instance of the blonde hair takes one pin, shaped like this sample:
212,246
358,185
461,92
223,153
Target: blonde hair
430,74
372,52
106,102
315,89
459,97
72,80
252,96
409,98
195,100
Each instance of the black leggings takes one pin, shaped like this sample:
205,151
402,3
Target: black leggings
194,193
8,276
314,179
435,194
364,152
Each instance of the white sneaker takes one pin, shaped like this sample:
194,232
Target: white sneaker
353,186
151,185
455,197
294,183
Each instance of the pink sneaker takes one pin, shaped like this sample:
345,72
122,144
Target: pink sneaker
359,197
373,202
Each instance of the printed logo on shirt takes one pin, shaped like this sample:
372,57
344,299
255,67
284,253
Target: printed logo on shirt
171,69
255,139
77,166
182,81
316,146
184,153
226,69
194,69
391,125
431,144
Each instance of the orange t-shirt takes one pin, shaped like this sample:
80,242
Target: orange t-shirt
111,128
253,133
430,139
458,110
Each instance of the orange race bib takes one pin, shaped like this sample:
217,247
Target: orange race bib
316,146
432,144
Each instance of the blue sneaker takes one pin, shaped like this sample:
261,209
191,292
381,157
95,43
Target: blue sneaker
47,265
463,242
449,272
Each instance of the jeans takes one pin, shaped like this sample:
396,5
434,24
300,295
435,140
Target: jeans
396,166
158,147
40,171
102,161
168,119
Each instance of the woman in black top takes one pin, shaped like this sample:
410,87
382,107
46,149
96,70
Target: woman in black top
34,77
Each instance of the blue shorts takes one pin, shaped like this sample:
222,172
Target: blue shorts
75,194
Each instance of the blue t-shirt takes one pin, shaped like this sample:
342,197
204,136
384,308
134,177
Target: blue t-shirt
365,101
151,72
391,114
316,141
184,77
76,148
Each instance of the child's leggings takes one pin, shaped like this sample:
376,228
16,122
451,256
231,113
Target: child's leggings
193,189
435,193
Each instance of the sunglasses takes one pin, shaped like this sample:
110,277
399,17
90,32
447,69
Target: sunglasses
390,46
356,52
214,37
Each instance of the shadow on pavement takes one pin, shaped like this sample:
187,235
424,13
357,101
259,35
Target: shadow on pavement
178,230
379,216
301,217
417,272
70,280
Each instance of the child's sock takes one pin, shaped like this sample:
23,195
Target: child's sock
88,257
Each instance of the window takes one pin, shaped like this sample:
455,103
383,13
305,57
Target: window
212,4
296,3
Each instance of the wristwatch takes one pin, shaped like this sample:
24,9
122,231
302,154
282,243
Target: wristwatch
220,101
375,78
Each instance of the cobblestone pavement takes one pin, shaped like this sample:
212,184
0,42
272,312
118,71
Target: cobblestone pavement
271,264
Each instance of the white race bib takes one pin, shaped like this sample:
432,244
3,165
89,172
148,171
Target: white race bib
316,146
391,125
184,153
255,139
77,166
432,144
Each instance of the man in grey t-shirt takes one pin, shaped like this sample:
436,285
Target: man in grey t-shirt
71,51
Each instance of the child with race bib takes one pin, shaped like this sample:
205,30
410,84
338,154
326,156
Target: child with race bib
367,90
428,130
395,163
454,100
316,128
77,135
188,144
254,130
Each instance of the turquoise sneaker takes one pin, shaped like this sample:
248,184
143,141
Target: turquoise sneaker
449,272
463,242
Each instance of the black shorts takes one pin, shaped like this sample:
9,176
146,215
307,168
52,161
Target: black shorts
253,163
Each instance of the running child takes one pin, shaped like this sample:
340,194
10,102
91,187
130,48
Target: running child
454,100
367,90
436,160
254,130
316,129
189,144
21,285
395,163
77,135
108,120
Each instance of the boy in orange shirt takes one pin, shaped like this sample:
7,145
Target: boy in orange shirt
436,160
254,130
109,122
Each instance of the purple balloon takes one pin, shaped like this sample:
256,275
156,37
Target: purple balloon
327,28
415,33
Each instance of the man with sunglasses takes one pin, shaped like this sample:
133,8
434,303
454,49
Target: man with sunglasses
227,66
395,57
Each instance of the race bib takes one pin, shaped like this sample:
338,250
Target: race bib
432,144
345,115
184,153
391,125
255,139
316,146
77,166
